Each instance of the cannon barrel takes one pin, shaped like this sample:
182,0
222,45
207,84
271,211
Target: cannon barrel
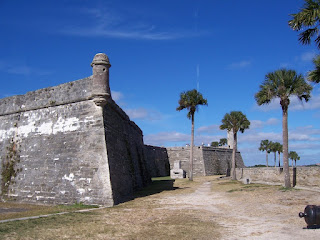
311,215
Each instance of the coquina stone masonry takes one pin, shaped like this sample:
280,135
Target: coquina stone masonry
71,143
306,177
207,160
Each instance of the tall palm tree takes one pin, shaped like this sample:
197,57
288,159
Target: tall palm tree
235,121
283,84
191,100
308,20
265,146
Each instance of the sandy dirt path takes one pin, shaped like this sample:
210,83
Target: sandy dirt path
251,215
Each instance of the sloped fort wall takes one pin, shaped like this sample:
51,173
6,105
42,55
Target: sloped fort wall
70,143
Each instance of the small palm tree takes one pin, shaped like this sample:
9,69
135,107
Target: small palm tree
294,156
283,84
191,100
265,146
235,121
307,19
279,148
273,148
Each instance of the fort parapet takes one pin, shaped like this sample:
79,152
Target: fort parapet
72,143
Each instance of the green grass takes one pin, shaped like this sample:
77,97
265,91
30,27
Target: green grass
29,210
284,189
161,178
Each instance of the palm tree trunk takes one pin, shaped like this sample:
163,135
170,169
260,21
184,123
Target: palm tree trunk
267,157
285,137
234,150
275,159
191,149
279,160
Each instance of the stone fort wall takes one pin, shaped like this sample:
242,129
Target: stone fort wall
207,160
71,143
306,177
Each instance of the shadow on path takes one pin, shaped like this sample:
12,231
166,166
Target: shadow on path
157,186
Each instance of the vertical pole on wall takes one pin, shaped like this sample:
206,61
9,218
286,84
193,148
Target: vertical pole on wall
294,177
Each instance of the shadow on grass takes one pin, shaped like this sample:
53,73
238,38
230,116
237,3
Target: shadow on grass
158,185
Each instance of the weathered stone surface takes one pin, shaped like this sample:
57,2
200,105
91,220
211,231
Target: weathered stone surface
305,176
72,143
60,155
177,171
207,160
157,161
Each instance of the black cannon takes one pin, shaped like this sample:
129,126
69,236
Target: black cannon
311,215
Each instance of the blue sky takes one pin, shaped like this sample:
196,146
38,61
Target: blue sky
158,49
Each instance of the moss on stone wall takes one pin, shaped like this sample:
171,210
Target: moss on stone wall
9,169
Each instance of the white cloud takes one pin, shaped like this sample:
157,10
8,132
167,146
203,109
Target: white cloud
208,129
313,103
256,137
239,65
170,139
116,96
260,124
162,138
21,69
144,114
307,56
111,24
295,104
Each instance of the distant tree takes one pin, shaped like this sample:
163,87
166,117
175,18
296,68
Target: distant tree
282,84
223,141
235,121
308,20
279,149
214,144
265,146
294,157
191,101
273,148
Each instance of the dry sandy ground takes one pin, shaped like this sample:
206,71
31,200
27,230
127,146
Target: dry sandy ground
256,214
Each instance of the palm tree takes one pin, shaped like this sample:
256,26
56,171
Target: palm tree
294,156
223,141
273,148
309,19
278,148
265,146
191,100
235,121
314,75
282,84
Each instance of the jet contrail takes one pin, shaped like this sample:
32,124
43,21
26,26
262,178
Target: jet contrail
198,74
